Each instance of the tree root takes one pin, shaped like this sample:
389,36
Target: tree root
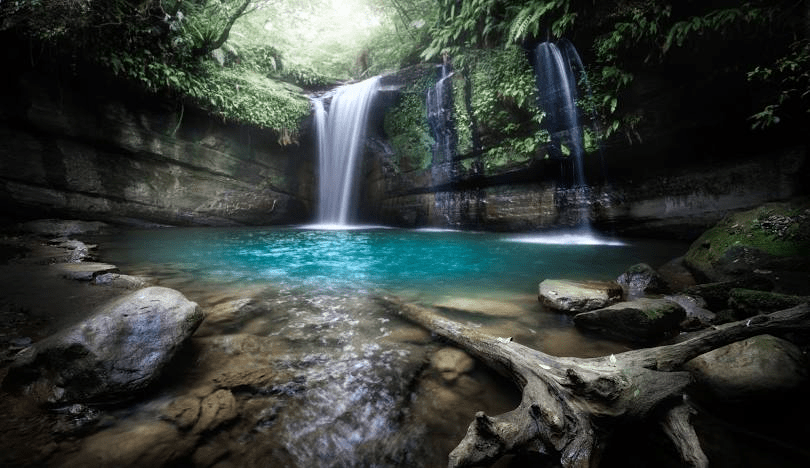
571,405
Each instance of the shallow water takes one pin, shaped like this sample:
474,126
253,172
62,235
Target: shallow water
358,389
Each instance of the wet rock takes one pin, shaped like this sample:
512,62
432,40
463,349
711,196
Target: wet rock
578,296
257,380
85,271
183,411
759,367
716,294
78,250
119,281
118,351
151,443
216,409
641,279
694,306
227,317
641,320
208,455
76,419
773,236
451,363
748,302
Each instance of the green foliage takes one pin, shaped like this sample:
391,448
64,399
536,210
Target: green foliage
464,143
789,76
504,104
407,129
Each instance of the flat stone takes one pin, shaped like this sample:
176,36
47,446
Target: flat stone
642,320
120,281
578,296
84,271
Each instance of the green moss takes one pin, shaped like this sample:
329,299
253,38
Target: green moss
778,229
751,302
407,128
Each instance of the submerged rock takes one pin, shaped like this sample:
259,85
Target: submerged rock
118,351
451,363
641,320
148,443
759,367
578,296
641,279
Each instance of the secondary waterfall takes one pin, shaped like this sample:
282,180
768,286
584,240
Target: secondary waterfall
555,66
341,136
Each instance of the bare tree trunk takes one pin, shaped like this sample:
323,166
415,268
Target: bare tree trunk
571,405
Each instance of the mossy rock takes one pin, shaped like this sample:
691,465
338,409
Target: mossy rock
641,321
749,302
773,236
717,294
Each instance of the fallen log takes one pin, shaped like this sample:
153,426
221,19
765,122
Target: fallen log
570,406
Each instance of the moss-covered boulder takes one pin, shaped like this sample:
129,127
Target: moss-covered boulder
749,302
773,236
717,294
640,321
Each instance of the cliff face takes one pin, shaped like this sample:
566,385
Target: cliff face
680,173
68,149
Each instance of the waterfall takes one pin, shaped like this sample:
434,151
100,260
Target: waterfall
341,137
557,90
441,122
439,104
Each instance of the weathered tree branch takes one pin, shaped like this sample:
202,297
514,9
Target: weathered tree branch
570,405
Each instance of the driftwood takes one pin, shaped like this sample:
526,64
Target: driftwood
571,405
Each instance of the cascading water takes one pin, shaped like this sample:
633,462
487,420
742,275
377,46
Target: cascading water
439,104
441,121
557,67
557,90
341,137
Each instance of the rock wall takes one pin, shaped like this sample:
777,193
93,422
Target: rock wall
676,202
71,148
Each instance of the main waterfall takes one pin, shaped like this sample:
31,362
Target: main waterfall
341,135
556,66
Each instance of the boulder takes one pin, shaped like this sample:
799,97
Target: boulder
773,236
641,279
578,296
758,367
640,321
749,302
694,306
717,294
115,353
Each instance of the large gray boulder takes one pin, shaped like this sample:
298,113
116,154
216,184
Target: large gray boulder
578,296
641,279
641,320
115,353
760,367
